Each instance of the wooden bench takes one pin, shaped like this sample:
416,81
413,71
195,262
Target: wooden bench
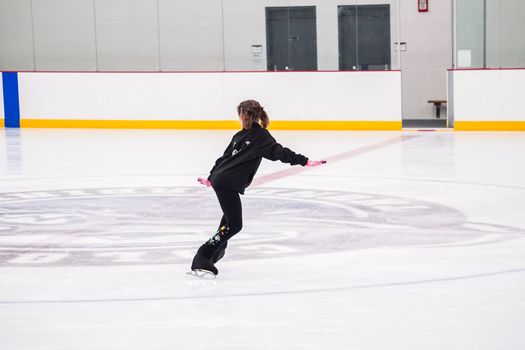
438,104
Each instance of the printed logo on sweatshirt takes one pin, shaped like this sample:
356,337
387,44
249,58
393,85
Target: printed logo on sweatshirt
235,151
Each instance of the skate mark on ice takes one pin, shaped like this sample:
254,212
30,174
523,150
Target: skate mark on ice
284,292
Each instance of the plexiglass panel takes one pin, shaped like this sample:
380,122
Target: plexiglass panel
470,33
127,35
191,35
489,33
245,34
16,35
200,35
64,35
511,33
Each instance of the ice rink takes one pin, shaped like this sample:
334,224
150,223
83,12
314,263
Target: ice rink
404,240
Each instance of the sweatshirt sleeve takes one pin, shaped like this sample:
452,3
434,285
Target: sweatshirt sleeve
226,153
272,150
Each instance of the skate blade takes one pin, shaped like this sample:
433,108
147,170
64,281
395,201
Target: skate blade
202,274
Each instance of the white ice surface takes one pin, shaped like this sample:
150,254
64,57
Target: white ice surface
414,245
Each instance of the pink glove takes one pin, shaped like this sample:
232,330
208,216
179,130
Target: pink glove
315,162
204,182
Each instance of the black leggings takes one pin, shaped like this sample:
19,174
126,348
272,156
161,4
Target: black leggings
230,202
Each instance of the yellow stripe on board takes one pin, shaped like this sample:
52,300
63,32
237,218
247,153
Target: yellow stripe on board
333,125
129,124
489,126
207,124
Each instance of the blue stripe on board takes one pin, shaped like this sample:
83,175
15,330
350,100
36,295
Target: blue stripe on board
11,101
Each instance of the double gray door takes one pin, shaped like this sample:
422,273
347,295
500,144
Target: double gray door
291,38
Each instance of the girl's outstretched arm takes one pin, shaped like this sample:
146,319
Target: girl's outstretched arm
273,150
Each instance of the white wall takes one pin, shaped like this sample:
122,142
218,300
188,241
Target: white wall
361,96
429,54
489,95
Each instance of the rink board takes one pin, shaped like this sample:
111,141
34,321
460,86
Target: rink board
488,99
293,100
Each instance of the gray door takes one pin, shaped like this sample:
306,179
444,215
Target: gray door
364,37
291,38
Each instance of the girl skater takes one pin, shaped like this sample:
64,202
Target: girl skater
233,172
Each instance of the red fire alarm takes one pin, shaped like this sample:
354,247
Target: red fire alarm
422,5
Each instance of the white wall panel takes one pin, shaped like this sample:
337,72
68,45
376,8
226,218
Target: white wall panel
133,96
428,55
64,35
321,95
489,95
374,96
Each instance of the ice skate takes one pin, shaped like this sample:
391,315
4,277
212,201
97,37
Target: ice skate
202,264
202,274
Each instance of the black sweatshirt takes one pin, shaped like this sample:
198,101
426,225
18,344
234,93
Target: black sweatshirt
241,159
